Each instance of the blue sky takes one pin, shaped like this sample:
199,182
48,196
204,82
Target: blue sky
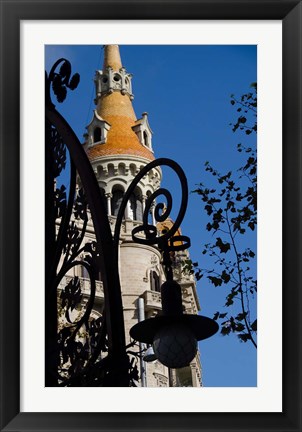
186,92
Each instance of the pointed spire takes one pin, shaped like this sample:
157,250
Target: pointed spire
114,107
112,57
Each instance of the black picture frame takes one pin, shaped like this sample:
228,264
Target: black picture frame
12,12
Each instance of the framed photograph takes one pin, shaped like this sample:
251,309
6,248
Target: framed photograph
260,42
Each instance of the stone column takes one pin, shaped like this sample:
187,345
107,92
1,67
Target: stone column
108,197
144,198
152,213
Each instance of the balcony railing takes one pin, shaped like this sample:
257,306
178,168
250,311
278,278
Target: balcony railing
152,300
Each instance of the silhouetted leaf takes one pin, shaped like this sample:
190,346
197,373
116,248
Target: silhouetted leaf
74,82
241,316
215,281
239,327
254,326
225,277
224,247
244,337
242,119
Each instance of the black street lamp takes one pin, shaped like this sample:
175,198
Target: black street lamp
101,357
173,334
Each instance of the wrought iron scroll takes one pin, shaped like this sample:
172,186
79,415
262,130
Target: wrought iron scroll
81,351
148,234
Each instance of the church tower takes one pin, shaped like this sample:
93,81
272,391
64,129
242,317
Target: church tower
118,146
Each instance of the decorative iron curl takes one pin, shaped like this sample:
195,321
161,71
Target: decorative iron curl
161,212
60,81
89,306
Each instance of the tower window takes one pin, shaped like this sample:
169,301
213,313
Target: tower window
117,198
97,134
139,210
136,207
154,281
146,140
84,273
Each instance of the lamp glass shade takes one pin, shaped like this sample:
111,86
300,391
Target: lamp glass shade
149,355
175,345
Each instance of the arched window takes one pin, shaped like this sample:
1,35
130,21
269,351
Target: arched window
84,273
116,78
146,140
97,135
139,210
154,281
117,197
136,207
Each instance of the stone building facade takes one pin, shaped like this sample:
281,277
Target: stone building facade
118,146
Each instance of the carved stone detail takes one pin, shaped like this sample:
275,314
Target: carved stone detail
161,380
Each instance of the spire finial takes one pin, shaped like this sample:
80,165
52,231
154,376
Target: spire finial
112,57
113,78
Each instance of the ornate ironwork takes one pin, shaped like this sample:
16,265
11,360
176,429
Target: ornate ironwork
82,349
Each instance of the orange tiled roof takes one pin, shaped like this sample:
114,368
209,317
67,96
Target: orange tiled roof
121,140
116,104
